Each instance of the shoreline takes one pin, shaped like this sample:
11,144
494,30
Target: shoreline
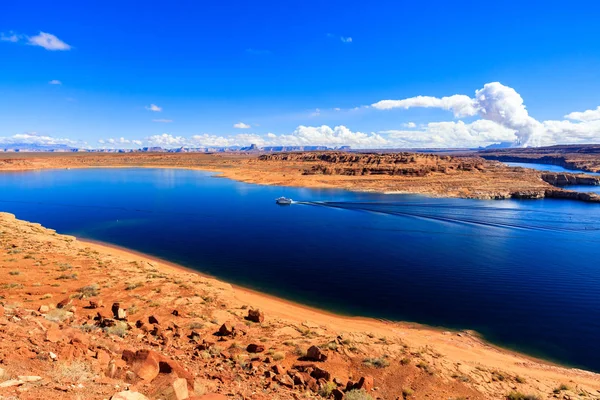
253,296
441,363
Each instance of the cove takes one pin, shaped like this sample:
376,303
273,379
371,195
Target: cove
525,274
548,168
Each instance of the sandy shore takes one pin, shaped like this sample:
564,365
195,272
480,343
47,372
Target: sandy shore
462,349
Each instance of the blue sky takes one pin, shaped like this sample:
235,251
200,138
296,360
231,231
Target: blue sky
299,72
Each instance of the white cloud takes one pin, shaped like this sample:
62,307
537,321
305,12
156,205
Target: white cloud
166,121
460,105
101,141
327,136
137,142
410,125
154,107
11,37
166,140
241,125
588,115
48,42
451,134
55,82
35,138
346,39
316,113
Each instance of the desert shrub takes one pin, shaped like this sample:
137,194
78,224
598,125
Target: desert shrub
356,394
14,273
57,315
521,396
75,371
326,389
405,361
378,362
406,393
132,286
278,356
68,276
520,379
119,329
90,290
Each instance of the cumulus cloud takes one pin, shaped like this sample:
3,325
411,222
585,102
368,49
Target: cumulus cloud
35,139
165,121
346,39
588,115
55,82
154,107
503,106
457,134
460,105
410,125
241,125
166,140
48,41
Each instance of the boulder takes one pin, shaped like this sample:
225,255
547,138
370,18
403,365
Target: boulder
152,319
118,312
337,394
127,395
319,373
148,364
226,329
255,348
315,354
172,389
255,316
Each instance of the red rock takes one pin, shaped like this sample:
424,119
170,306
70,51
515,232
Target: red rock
315,354
63,303
209,396
366,383
255,316
255,348
337,394
226,329
1,311
172,389
278,369
147,364
175,313
103,357
152,319
319,373
118,312
54,335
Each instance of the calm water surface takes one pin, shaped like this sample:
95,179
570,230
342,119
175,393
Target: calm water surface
548,167
526,274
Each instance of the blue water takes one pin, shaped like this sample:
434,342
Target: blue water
548,167
525,274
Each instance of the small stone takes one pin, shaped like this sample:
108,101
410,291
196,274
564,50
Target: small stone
63,303
44,309
152,319
53,356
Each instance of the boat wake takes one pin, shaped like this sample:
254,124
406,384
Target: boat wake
485,216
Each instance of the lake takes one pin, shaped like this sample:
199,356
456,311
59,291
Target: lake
548,167
525,274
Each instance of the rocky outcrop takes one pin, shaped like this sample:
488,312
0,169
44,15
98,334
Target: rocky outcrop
571,195
394,164
565,179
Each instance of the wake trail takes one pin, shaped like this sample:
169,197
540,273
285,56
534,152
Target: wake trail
416,210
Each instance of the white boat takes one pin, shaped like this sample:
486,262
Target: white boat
283,201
